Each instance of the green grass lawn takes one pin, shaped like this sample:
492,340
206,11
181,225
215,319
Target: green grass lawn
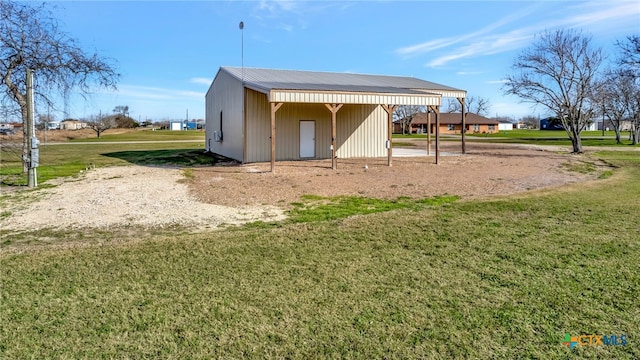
500,278
69,159
540,137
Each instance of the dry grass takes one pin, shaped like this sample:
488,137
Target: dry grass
65,135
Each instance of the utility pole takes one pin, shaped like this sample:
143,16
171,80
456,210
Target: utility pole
32,141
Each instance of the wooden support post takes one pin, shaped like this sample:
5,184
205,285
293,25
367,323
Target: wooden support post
437,135
334,146
390,109
274,108
436,111
464,125
428,132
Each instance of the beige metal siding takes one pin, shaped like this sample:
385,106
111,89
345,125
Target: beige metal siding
361,131
287,129
258,128
225,95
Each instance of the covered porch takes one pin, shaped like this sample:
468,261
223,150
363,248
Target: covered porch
388,99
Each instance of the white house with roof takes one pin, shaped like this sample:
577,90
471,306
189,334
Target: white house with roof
504,125
256,115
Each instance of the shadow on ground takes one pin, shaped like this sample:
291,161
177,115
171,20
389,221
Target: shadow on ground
173,157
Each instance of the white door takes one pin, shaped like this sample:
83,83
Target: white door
307,138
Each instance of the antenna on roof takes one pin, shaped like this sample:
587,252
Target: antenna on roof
241,26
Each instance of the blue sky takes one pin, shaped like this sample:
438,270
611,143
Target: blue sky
168,52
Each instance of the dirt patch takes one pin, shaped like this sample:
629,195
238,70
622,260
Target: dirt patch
486,169
128,196
212,196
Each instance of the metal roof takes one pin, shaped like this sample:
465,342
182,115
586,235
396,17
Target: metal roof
280,84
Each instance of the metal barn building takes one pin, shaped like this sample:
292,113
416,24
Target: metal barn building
257,115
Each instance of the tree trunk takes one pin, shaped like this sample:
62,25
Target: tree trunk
21,99
576,141
577,145
617,130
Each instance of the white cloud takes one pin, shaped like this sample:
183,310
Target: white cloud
273,6
152,93
277,9
442,60
436,44
503,81
467,73
596,12
201,80
286,27
488,42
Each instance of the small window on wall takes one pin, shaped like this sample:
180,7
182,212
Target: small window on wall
492,127
451,127
476,127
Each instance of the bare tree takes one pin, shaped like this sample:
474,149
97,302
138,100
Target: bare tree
405,113
122,110
531,121
630,54
629,61
558,72
474,105
44,120
633,98
101,123
634,108
31,39
618,92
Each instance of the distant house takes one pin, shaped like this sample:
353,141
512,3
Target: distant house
625,125
552,123
53,125
196,124
451,123
72,124
175,125
505,125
